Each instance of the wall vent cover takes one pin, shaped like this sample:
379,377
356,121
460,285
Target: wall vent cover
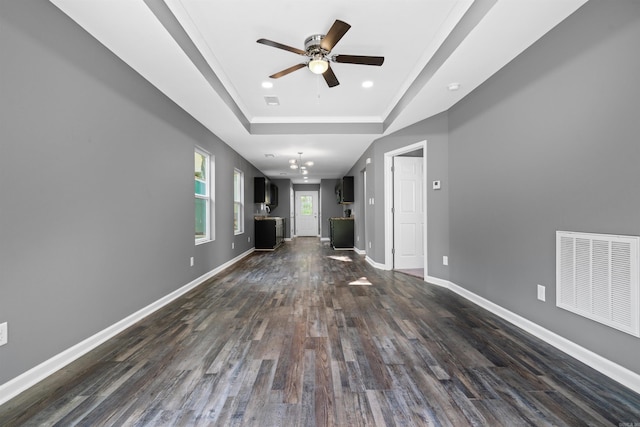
597,277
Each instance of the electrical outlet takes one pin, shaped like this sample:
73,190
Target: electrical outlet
541,293
249,239
191,261
445,260
4,333
369,244
233,245
357,238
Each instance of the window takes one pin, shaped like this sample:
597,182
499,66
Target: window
306,205
202,187
238,201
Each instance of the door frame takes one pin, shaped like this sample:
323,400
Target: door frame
388,202
365,210
295,206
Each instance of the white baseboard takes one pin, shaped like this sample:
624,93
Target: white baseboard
17,385
359,251
611,369
376,264
325,239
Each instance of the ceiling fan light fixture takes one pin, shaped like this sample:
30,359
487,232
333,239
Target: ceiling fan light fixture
318,65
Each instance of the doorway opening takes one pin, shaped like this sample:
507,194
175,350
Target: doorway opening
306,217
405,202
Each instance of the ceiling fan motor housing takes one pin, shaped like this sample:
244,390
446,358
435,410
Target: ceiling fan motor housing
312,45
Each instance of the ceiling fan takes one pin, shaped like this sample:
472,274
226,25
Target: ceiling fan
318,49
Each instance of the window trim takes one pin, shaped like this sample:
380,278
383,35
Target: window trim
208,237
238,201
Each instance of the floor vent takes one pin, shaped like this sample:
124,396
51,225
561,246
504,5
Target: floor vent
597,277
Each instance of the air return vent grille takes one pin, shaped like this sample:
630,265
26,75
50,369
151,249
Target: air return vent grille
597,277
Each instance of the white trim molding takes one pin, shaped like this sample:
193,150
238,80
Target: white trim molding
17,385
376,264
607,367
388,201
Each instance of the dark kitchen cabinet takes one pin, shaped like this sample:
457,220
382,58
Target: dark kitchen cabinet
341,232
261,190
269,233
345,191
264,191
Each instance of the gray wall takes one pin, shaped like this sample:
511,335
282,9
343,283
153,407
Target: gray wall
551,142
96,188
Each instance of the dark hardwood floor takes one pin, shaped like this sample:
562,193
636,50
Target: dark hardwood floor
283,339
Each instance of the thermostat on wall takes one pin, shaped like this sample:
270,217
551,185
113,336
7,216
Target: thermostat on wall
436,185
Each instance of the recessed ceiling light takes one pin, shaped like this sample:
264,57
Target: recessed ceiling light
267,85
453,86
367,84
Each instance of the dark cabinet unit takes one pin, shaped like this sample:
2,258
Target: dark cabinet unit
264,191
342,231
269,233
345,190
261,191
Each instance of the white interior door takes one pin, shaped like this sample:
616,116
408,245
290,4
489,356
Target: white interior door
365,209
307,213
408,208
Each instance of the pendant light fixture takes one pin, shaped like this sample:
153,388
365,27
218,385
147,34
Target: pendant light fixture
301,166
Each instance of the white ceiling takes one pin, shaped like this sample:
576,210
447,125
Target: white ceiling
203,54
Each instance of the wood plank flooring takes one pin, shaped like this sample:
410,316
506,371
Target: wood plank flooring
283,339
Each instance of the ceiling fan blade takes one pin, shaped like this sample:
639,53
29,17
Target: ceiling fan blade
287,71
357,59
337,30
330,78
281,46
